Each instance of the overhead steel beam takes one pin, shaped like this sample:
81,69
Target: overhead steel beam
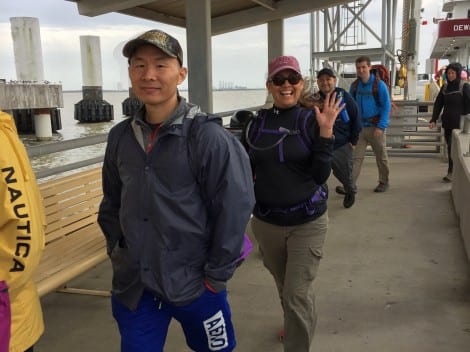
95,8
260,15
141,12
348,56
269,4
268,10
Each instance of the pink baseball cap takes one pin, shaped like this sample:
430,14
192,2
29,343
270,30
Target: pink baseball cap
283,63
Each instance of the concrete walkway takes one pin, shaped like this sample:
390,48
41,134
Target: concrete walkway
394,278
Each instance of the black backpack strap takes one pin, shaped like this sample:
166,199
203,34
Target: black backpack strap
191,141
194,125
354,87
114,143
375,89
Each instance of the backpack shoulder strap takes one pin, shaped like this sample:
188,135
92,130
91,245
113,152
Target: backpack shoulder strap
194,125
375,88
193,129
252,129
354,87
306,140
113,143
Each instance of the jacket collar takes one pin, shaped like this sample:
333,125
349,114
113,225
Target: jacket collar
184,109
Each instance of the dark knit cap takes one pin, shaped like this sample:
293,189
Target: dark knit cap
454,66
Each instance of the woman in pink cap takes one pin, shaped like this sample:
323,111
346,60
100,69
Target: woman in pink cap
290,151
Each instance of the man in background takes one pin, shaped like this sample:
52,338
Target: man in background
451,103
346,130
375,116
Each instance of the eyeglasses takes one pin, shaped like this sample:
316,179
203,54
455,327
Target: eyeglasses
280,79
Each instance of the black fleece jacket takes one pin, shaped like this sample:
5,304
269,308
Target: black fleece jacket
452,101
289,173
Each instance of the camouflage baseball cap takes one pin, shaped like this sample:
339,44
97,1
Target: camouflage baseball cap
157,38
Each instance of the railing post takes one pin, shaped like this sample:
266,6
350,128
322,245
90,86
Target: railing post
465,129
466,124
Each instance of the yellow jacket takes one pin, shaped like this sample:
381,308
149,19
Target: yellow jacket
22,225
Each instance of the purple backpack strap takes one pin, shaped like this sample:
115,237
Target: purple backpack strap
304,138
247,248
296,125
255,132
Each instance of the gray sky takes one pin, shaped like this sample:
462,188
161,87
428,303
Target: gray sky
239,57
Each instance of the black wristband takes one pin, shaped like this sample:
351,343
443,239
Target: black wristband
327,141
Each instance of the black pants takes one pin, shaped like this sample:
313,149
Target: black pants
342,165
29,349
448,139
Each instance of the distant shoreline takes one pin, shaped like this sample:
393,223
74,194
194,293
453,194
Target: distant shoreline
182,90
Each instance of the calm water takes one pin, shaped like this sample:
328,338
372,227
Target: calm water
223,101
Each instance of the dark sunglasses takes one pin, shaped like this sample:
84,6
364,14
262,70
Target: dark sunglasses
280,79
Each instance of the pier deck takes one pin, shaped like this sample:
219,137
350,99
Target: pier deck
395,277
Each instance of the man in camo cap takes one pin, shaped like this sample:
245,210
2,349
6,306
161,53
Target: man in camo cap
177,195
160,40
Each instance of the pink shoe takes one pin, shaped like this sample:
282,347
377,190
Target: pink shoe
281,335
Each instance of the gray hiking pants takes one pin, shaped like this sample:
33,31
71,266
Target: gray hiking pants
292,255
379,148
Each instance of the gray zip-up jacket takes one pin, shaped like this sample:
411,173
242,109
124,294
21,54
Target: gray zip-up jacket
167,228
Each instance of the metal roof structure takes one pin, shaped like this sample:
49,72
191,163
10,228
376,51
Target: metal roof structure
226,15
206,18
452,35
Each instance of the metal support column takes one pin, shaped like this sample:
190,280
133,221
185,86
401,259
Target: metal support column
275,39
199,39
275,47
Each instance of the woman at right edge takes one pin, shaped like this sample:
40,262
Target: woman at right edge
290,151
453,101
